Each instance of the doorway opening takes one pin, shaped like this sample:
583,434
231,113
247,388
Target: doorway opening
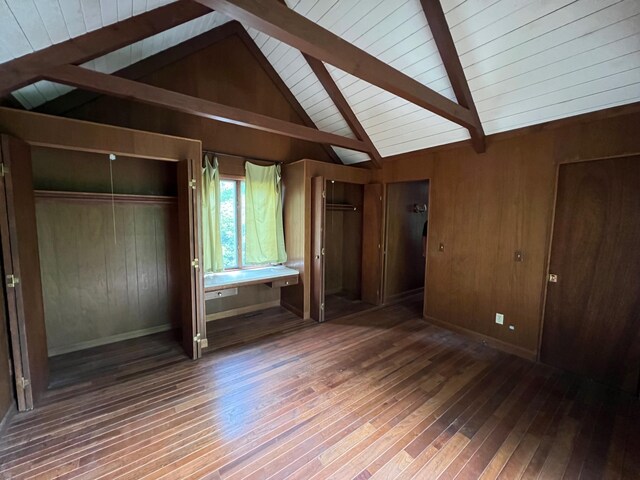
407,223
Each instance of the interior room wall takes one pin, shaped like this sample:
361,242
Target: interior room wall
225,72
343,240
404,264
485,207
99,285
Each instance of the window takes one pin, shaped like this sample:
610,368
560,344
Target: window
232,223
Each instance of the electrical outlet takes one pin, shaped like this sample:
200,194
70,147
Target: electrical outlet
499,318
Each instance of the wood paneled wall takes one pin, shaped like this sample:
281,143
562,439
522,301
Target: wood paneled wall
99,286
404,264
225,72
343,240
69,171
485,207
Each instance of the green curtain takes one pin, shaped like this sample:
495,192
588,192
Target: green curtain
212,244
264,234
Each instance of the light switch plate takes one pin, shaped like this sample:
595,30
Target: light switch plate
499,318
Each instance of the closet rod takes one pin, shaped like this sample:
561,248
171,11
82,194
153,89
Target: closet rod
241,157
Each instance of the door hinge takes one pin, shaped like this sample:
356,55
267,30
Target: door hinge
12,281
192,183
322,251
3,169
324,194
322,306
204,343
195,264
23,383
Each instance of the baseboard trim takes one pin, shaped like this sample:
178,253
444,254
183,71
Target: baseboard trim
485,339
399,297
242,310
107,340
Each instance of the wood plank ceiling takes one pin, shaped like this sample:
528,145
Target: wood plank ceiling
526,61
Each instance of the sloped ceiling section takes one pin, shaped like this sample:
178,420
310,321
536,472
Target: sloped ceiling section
526,61
31,25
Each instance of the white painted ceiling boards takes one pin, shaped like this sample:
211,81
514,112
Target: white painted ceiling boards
526,61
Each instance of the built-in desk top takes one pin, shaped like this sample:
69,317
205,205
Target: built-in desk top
279,275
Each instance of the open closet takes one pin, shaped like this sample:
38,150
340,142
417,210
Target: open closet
108,257
99,228
339,238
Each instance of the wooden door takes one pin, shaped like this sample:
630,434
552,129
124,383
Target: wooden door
592,315
194,337
21,262
372,244
317,248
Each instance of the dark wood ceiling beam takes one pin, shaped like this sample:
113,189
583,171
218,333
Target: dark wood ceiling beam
281,86
343,107
76,98
447,48
280,22
120,87
28,68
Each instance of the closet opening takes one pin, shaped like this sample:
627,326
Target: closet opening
406,233
109,261
343,249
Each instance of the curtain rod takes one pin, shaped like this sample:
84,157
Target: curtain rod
241,157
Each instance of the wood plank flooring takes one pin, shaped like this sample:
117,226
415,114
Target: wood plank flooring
382,395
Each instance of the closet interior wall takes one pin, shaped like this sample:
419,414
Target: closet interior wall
343,240
109,269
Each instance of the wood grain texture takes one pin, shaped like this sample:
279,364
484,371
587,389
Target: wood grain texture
372,244
278,21
318,248
404,263
98,282
297,205
72,171
226,72
115,86
20,258
592,314
29,68
451,61
485,208
383,395
64,133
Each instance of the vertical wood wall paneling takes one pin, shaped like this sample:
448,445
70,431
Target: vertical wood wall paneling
98,286
404,264
225,72
484,209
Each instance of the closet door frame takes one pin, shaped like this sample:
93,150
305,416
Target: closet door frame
318,215
68,134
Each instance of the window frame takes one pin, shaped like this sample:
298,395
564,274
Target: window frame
237,179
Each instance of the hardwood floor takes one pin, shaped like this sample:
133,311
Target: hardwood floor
380,395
